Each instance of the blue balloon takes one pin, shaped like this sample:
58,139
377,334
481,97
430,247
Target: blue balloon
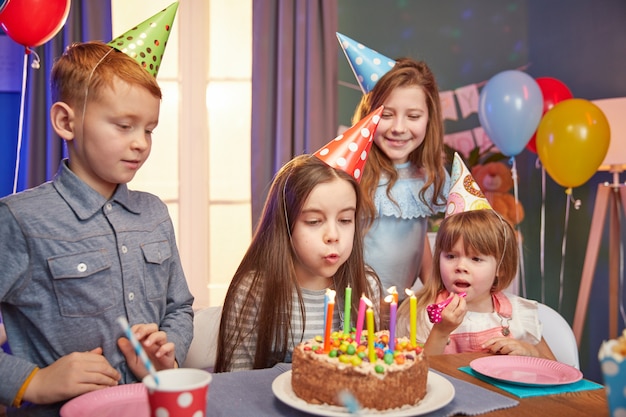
510,109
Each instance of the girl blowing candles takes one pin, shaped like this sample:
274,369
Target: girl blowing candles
404,180
475,253
308,239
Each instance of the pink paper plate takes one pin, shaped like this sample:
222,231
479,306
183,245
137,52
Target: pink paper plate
130,400
526,370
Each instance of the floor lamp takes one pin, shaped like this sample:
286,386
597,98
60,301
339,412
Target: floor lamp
611,196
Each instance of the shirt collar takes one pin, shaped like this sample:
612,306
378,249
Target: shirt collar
84,200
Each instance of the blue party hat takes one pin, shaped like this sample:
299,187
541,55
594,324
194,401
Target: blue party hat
368,65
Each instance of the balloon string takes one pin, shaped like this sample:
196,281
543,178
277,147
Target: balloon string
563,245
542,232
621,280
517,221
20,127
570,199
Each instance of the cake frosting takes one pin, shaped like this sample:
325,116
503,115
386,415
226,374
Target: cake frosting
395,379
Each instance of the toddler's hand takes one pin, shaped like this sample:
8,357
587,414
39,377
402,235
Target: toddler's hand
509,346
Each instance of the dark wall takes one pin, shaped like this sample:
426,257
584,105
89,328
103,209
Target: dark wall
580,42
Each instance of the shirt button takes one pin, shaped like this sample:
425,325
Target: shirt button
82,267
108,206
124,249
131,296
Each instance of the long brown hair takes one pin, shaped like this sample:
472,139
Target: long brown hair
269,263
429,156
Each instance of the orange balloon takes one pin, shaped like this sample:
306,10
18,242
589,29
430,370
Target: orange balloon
572,141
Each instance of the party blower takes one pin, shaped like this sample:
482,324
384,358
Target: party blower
434,310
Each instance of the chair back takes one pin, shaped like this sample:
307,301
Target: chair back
203,349
559,336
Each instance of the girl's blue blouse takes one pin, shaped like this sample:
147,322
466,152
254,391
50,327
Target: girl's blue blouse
406,202
394,244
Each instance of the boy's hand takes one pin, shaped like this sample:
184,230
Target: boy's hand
70,376
161,353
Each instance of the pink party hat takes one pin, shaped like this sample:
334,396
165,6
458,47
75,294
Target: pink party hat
349,150
465,194
146,42
368,65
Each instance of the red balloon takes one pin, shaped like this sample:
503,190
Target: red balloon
34,22
553,91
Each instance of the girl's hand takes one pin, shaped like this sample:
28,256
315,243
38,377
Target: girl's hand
509,346
453,314
451,318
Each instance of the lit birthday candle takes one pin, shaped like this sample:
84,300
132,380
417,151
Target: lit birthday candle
369,317
361,317
393,308
346,311
330,306
412,316
393,291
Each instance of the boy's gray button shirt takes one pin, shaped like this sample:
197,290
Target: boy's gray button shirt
73,262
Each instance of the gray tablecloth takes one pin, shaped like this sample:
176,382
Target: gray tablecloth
249,393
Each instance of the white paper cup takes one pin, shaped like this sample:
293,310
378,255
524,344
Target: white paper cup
614,375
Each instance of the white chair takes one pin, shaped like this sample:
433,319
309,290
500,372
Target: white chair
203,349
559,336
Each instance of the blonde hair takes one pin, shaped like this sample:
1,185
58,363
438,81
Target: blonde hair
429,155
93,66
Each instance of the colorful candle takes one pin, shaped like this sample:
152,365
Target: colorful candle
346,310
393,309
369,317
330,306
413,316
361,317
326,305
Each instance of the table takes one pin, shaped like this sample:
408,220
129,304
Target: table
582,403
249,393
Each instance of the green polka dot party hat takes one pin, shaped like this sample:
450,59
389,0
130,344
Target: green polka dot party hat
146,42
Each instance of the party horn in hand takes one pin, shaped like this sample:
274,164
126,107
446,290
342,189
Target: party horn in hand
434,310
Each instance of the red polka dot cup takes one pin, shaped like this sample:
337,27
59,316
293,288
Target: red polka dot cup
181,392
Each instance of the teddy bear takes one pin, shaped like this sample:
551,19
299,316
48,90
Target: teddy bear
495,181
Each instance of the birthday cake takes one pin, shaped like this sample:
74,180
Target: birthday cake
394,379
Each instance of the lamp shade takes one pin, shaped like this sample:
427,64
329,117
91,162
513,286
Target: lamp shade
615,111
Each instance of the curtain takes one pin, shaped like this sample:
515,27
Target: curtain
42,149
294,85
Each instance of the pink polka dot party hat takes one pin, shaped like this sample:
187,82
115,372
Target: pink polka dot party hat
367,65
465,194
349,150
146,42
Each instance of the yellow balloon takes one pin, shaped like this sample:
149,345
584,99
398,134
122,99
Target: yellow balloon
572,141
